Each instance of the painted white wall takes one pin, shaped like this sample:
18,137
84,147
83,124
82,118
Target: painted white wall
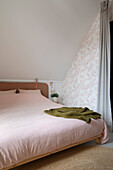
39,38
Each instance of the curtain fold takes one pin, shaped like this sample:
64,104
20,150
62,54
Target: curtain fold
111,66
103,102
111,11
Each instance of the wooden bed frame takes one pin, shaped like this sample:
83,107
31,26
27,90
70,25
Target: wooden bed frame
25,85
44,90
96,138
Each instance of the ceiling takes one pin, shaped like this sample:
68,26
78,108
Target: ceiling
40,38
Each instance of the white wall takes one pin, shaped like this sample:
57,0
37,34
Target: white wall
39,38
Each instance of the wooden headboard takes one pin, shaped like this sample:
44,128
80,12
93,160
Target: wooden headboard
25,85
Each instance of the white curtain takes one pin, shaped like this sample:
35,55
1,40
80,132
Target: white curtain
111,11
104,104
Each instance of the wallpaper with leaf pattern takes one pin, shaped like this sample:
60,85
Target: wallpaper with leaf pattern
81,82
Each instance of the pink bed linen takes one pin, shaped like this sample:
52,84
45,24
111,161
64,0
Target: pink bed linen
26,131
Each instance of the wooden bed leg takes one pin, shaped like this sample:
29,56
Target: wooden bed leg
97,140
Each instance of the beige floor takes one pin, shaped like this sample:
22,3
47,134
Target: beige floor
81,157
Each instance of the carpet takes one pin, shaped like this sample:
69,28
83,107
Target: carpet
81,157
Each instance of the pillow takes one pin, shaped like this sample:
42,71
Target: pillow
7,92
28,91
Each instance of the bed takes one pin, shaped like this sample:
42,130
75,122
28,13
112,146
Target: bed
27,133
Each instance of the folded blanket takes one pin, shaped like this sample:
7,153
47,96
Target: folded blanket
74,113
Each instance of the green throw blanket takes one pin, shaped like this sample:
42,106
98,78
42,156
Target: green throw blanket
74,113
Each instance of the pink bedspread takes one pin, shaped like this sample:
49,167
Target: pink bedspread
26,131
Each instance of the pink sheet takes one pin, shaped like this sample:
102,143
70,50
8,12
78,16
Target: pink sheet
26,131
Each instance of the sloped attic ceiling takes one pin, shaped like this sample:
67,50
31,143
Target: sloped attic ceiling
40,38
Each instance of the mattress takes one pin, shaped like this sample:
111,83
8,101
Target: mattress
26,131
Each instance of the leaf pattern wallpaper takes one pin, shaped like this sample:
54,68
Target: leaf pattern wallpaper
81,82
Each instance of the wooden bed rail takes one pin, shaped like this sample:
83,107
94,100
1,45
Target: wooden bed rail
96,138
